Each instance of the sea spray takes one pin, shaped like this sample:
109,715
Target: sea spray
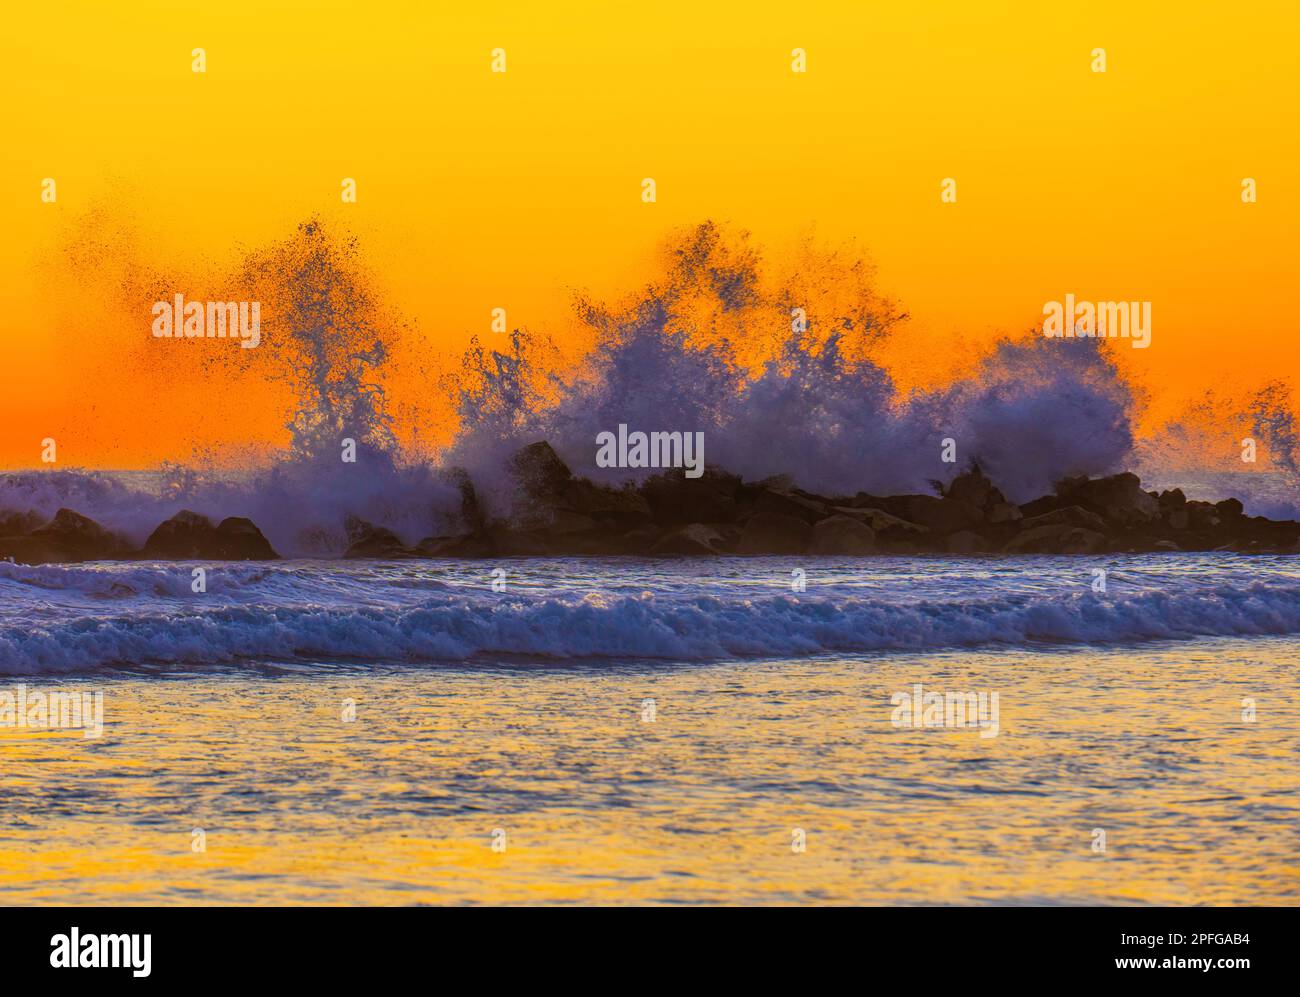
332,341
810,403
709,347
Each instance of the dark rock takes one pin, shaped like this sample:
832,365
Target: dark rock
966,542
622,508
942,515
790,503
973,488
518,543
862,500
1203,515
842,535
1003,512
1119,498
773,533
1040,505
32,550
886,525
186,535
1070,515
1229,509
239,539
473,545
1058,539
539,470
1173,499
472,513
695,540
675,499
641,539
554,504
14,524
564,522
189,536
777,483
600,542
70,536
66,538
367,540
555,513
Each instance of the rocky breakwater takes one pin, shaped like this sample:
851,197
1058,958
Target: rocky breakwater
557,513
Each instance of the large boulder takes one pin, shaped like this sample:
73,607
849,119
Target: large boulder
187,534
68,537
82,538
1172,499
239,539
539,470
17,524
1174,509
973,488
1040,505
507,542
790,503
1070,515
676,500
1003,512
1056,539
368,540
1119,498
564,522
191,536
886,525
1177,519
842,535
619,508
1229,509
548,490
472,513
966,542
942,515
774,533
28,550
693,540
464,545
1203,515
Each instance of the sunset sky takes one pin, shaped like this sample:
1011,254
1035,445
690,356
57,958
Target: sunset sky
479,190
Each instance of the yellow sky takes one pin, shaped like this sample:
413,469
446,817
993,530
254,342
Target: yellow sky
479,190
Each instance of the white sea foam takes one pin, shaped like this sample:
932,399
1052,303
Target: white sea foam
70,619
699,351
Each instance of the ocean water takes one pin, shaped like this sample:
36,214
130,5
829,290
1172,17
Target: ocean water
640,731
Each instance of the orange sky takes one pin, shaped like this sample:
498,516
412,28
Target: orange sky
479,190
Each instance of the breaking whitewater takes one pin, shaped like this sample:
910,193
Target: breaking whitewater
806,463
773,368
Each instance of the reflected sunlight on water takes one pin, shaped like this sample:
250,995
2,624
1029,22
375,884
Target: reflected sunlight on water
599,806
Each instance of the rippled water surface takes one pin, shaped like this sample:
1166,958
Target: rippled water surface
527,714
